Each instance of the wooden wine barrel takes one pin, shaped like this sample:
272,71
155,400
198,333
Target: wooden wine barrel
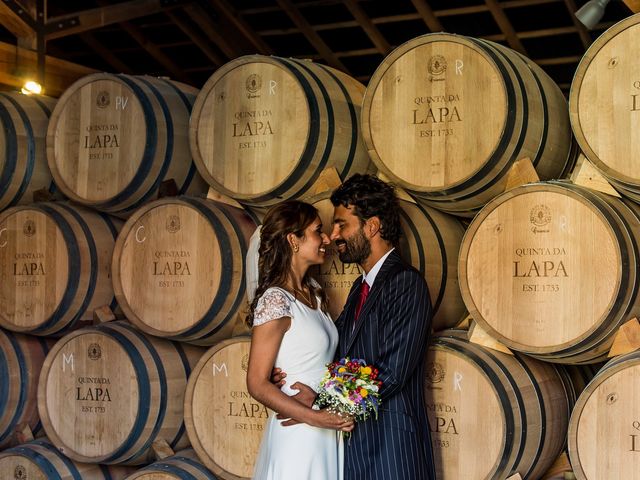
21,358
550,269
576,378
264,128
183,465
23,161
113,139
445,116
107,392
39,460
604,105
55,265
224,423
178,269
492,415
430,242
604,431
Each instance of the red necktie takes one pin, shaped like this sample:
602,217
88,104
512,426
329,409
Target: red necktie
364,291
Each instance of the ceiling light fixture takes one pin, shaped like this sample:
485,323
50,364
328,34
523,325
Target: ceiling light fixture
591,12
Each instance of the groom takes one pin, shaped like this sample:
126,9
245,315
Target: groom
386,321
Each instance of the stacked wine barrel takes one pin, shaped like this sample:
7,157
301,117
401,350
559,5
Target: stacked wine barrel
55,264
113,140
446,116
23,164
224,423
107,392
21,359
178,249
263,129
183,465
516,405
605,105
40,460
567,256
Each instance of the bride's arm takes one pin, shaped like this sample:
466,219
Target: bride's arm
265,343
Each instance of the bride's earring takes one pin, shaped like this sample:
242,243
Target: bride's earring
295,248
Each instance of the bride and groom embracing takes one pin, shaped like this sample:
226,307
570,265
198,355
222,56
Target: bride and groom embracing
386,321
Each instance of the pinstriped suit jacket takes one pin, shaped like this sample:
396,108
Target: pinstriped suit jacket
391,334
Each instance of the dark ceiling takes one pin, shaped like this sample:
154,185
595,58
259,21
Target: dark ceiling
188,40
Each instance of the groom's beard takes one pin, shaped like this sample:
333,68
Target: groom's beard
357,249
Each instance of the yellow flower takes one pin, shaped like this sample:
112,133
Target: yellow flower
342,370
363,393
365,370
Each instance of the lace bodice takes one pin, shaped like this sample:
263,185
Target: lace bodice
273,304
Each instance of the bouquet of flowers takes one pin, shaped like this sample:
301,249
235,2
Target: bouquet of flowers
350,387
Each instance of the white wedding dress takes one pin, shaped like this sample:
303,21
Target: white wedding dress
299,451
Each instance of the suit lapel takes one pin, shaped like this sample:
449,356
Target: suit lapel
392,262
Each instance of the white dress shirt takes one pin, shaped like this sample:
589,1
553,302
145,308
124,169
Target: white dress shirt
373,273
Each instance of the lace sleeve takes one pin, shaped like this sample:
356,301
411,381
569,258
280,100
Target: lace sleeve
272,305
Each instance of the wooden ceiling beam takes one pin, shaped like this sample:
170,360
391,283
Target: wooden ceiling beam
203,68
158,55
368,26
426,13
585,38
17,18
242,26
106,54
198,39
203,20
505,26
359,53
558,60
65,25
437,13
346,53
315,40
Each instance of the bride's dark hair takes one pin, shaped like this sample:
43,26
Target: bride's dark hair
275,253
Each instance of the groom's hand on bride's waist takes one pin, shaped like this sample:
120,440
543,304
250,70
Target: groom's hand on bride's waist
306,396
277,377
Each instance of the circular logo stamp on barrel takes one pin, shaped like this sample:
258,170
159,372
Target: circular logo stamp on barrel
437,65
20,473
540,215
253,83
102,99
94,352
435,373
29,228
173,224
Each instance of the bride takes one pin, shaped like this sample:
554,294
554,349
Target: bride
292,331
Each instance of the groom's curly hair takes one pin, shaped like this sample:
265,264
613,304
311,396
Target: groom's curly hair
371,197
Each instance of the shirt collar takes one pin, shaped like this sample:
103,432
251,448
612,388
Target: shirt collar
373,273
